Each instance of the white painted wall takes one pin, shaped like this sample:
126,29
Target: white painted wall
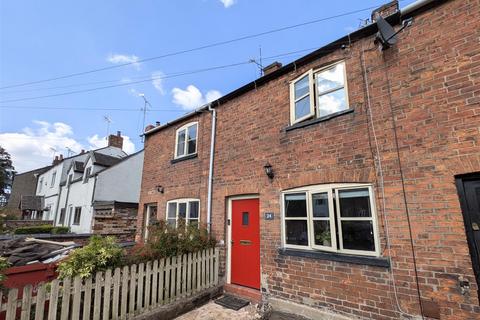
122,181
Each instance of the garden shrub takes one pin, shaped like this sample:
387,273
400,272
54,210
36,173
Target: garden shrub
3,265
167,241
47,228
100,254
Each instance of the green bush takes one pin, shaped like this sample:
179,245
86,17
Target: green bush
3,265
47,228
98,255
166,241
60,230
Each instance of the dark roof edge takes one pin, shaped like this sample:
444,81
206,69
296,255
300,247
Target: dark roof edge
364,32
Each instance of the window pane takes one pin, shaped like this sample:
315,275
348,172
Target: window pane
172,210
354,203
171,222
296,205
194,209
302,107
331,78
192,146
358,235
296,232
332,102
192,132
322,234
301,87
182,210
245,218
320,205
181,143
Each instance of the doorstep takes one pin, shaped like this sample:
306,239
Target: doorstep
253,295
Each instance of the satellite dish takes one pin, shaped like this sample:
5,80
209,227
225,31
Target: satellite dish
386,35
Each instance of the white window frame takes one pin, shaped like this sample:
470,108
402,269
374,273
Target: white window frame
331,189
313,92
187,214
185,147
74,215
40,184
54,176
88,172
308,74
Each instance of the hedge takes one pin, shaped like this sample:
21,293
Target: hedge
42,229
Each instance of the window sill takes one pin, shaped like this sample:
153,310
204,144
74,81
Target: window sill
307,123
190,156
333,256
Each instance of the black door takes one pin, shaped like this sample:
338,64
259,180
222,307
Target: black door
469,192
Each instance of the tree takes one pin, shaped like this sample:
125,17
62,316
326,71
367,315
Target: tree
7,172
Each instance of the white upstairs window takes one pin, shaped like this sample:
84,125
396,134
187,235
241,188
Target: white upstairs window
319,93
186,140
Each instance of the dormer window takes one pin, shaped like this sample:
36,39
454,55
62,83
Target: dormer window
186,140
319,93
88,171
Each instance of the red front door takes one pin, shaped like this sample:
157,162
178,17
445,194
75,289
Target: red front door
245,243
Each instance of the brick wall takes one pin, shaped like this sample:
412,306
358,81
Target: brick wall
424,98
184,179
120,222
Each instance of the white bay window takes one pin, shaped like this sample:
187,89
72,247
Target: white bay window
338,218
319,93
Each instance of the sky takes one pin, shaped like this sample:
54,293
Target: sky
43,40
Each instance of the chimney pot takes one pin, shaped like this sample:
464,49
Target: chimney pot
61,157
157,123
119,134
271,68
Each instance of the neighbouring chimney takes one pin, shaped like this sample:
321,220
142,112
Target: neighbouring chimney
272,67
56,161
149,127
115,140
385,10
83,151
157,123
61,158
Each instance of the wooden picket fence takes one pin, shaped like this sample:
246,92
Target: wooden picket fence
120,294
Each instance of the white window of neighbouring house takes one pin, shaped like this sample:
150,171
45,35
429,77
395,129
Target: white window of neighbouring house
77,216
339,218
52,183
319,93
88,171
61,219
186,140
187,210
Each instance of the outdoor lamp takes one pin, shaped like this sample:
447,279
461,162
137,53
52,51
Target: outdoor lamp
269,170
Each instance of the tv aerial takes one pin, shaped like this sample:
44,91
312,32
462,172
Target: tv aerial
386,35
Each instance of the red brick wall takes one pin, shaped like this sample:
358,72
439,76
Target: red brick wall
184,179
430,81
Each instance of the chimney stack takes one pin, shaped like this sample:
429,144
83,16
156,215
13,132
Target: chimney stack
149,127
115,140
56,161
61,158
385,10
271,68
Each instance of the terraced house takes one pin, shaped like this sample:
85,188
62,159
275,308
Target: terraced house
347,181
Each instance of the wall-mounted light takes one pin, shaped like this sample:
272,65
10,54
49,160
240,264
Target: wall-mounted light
159,188
269,170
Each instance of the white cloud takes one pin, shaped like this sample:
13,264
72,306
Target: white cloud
228,3
157,81
35,147
96,142
192,98
124,58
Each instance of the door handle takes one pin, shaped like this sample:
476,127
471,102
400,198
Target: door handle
475,226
